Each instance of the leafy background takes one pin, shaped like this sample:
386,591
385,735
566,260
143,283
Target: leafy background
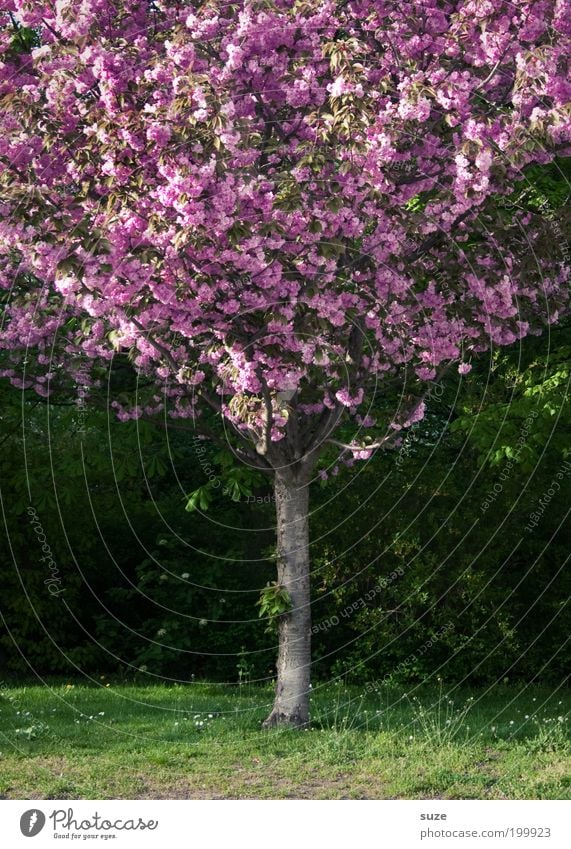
156,590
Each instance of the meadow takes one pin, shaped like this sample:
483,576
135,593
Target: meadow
113,740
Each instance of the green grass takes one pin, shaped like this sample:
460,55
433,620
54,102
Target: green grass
204,741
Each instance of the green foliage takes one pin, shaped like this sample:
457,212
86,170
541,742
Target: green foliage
230,479
200,499
274,602
527,403
184,611
545,185
102,491
451,511
432,533
24,39
244,667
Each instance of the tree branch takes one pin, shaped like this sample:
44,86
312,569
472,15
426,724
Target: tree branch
152,341
366,447
244,454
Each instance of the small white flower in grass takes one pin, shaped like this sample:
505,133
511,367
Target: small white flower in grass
209,716
527,716
176,723
561,719
101,713
493,727
185,576
511,722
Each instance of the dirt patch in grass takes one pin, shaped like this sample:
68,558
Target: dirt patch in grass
264,784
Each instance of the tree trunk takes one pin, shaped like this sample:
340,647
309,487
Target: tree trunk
291,704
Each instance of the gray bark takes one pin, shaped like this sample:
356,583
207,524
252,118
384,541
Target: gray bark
291,705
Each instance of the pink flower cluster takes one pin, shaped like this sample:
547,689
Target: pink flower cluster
275,209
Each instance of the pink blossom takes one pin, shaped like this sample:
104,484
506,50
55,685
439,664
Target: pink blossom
159,133
344,397
183,187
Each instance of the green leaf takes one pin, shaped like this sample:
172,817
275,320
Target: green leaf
200,499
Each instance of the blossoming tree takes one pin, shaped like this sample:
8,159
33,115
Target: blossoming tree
276,208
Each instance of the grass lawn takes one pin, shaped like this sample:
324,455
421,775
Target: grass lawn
201,740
